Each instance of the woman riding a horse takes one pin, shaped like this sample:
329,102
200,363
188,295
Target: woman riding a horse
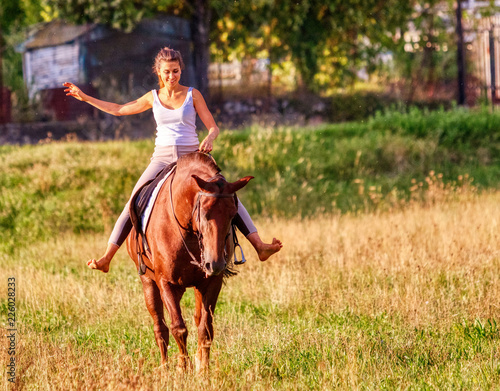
174,108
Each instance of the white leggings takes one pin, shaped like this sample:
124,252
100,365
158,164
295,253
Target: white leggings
163,156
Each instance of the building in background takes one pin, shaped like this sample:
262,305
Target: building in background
109,64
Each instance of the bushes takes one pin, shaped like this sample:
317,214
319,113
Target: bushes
349,167
360,106
306,171
459,128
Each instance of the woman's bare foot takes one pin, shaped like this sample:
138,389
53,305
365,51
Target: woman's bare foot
264,250
268,249
103,263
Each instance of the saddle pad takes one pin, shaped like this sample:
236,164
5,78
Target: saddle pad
144,199
151,202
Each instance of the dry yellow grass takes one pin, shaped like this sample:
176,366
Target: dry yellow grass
422,269
426,264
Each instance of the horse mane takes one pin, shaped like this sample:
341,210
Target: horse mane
197,160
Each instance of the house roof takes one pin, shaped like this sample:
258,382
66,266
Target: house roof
59,32
56,33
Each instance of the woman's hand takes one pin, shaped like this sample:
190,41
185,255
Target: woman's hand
144,103
208,120
74,91
207,144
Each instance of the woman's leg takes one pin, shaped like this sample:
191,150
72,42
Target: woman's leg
246,226
161,158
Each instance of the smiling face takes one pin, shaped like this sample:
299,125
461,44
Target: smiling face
169,73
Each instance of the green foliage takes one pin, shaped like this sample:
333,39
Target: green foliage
347,167
305,172
15,16
119,14
64,188
13,67
327,41
10,13
428,57
359,106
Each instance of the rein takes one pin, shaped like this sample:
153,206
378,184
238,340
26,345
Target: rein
196,208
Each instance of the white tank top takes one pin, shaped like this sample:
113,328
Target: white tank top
175,127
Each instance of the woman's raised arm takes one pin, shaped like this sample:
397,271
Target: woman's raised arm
207,118
137,106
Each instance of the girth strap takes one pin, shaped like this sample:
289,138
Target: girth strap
142,267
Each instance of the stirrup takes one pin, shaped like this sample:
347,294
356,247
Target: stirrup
243,260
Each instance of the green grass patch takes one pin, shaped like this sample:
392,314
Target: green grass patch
352,167
403,299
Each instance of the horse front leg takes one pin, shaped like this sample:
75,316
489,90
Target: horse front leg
154,304
172,296
205,307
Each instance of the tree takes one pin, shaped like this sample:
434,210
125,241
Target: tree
332,35
118,14
426,55
328,41
9,12
12,16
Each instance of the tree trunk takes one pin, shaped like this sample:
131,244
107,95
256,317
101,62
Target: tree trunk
200,27
460,55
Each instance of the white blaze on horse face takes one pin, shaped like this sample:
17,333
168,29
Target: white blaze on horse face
214,232
213,259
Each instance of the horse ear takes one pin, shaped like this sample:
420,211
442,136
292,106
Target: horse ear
239,184
201,183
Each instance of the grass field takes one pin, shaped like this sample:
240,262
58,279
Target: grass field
396,287
408,299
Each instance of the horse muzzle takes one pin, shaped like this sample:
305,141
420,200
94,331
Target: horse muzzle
214,267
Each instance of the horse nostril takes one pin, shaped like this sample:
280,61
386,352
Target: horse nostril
207,266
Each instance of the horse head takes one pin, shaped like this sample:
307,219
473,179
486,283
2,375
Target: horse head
215,207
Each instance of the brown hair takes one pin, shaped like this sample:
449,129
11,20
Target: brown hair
166,54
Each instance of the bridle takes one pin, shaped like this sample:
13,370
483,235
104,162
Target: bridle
196,213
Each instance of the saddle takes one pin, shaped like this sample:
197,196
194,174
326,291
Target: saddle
138,206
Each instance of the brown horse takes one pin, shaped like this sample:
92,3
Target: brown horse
187,234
